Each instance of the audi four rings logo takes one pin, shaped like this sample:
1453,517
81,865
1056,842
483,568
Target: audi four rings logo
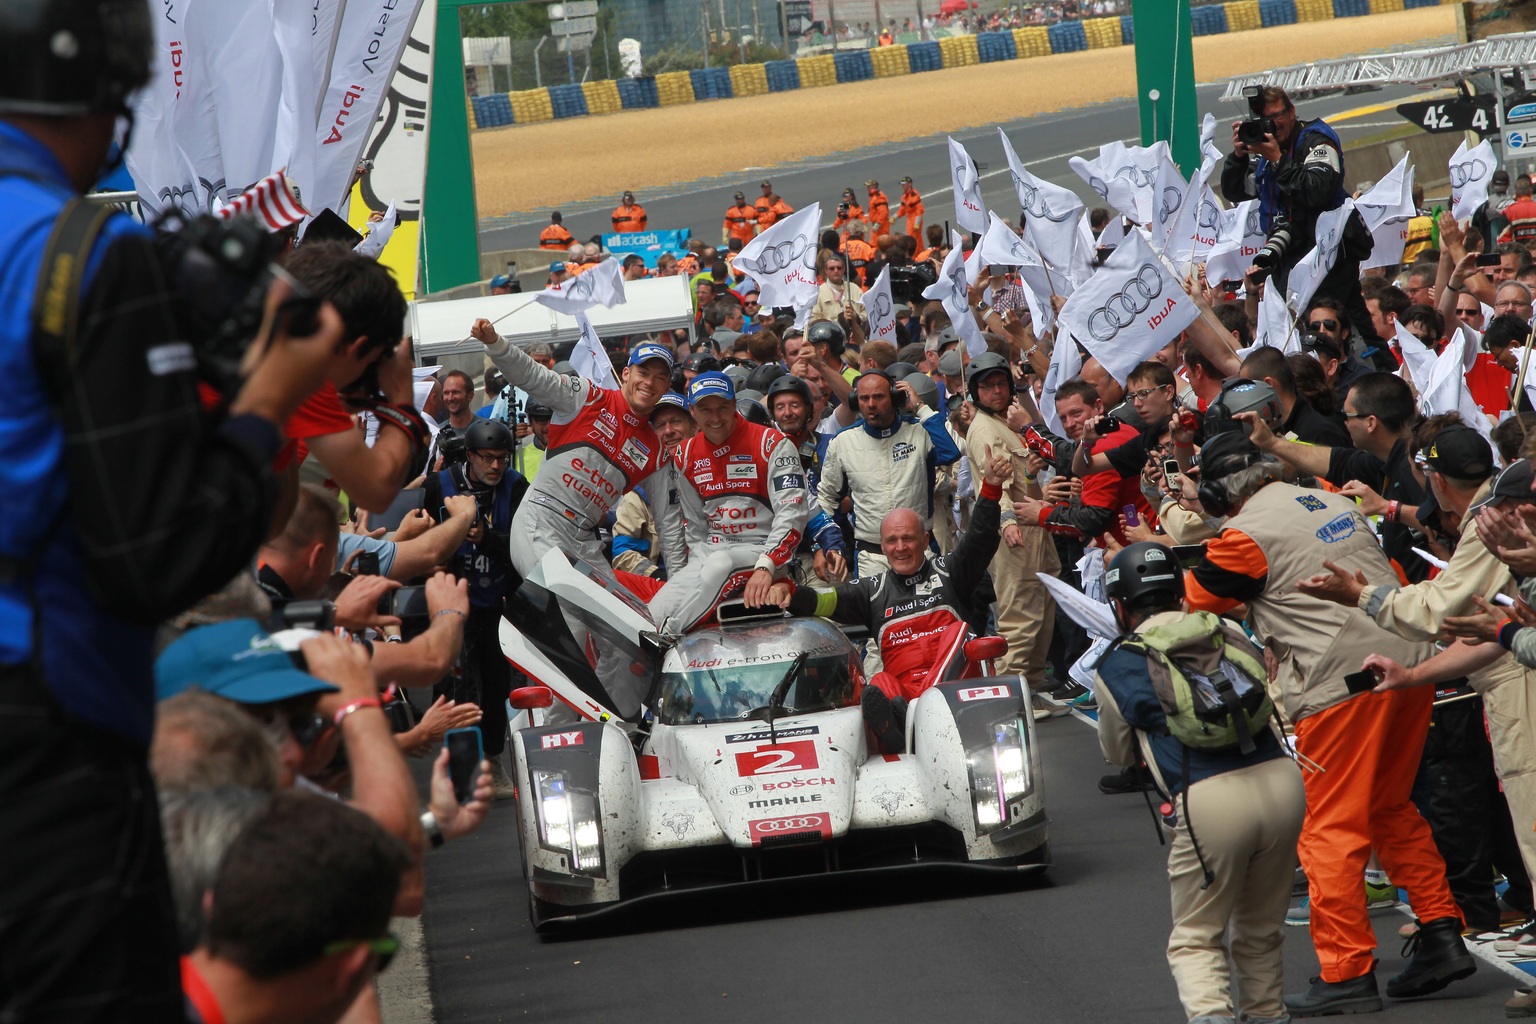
1141,177
1208,216
1097,184
1252,227
1467,172
581,288
784,255
1120,310
882,305
1170,205
787,824
1034,201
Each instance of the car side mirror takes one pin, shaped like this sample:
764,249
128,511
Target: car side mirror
526,698
985,648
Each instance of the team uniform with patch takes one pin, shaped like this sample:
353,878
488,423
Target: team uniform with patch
598,449
910,615
733,508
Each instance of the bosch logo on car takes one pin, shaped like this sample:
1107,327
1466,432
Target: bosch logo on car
797,783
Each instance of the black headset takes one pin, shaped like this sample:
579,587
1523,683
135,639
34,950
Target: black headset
1213,494
898,396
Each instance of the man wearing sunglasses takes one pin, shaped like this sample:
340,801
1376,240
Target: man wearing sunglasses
1326,339
484,561
298,915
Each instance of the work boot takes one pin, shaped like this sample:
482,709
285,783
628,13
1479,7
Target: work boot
1132,779
1439,958
1333,998
881,719
505,790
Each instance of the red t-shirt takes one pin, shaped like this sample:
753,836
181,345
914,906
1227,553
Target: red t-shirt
1488,384
320,414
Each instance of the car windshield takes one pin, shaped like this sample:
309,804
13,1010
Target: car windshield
730,693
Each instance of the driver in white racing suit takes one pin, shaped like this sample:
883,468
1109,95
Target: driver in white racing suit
735,515
600,445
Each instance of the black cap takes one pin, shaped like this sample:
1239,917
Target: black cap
1227,453
1461,453
1321,343
740,196
1513,483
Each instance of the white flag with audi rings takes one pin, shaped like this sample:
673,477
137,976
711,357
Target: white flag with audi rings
1307,275
1386,209
1471,171
1238,241
880,308
1050,211
588,358
603,285
970,209
782,260
1131,308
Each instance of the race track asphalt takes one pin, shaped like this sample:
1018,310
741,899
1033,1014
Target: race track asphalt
1044,143
1085,946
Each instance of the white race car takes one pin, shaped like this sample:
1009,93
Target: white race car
739,753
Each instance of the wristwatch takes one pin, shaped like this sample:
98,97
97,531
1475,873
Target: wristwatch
430,828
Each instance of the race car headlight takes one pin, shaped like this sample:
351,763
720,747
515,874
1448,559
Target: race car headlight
999,773
568,821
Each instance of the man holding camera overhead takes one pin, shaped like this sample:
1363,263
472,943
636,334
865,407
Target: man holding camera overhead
1295,169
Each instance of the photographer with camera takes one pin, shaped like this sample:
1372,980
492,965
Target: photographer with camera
1295,169
126,504
484,561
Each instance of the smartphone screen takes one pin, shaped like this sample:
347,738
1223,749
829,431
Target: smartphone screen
465,752
366,563
1363,681
1131,518
1170,469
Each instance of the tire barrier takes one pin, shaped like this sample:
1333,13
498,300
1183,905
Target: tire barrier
856,65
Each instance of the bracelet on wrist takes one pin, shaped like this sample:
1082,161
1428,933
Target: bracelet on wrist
451,611
357,705
431,829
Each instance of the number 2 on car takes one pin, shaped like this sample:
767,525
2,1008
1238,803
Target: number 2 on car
794,756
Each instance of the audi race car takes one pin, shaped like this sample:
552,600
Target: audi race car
738,753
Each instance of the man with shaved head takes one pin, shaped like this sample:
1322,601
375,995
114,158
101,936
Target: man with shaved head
911,607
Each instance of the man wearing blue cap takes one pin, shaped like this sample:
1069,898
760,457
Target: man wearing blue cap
601,444
741,509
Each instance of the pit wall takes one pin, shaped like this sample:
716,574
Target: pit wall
675,87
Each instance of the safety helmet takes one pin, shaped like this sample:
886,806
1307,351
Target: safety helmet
488,435
789,384
827,332
762,377
1142,570
981,366
753,410
537,410
70,58
701,362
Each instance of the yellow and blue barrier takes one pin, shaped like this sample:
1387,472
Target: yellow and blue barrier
672,88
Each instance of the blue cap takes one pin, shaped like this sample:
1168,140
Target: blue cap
670,400
235,660
651,350
712,383
557,268
500,281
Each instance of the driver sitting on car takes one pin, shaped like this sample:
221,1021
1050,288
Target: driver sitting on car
911,605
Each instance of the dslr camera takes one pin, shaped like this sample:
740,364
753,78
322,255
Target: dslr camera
910,280
1252,129
1272,254
454,448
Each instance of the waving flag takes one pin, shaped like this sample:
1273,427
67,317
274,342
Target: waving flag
880,308
1386,210
782,260
1125,176
1276,326
271,201
970,208
382,231
1050,211
1131,308
588,357
1238,241
1471,171
1307,275
1418,359
603,285
1169,191
952,292
1066,363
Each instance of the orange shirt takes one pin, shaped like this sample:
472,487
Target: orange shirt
741,222
879,213
859,254
555,238
765,214
629,218
911,207
855,212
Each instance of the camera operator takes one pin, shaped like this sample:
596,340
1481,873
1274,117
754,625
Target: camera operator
125,504
484,561
1295,169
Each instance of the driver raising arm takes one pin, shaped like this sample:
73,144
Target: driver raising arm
910,606
600,445
736,514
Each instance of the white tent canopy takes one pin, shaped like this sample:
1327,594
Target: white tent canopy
652,304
